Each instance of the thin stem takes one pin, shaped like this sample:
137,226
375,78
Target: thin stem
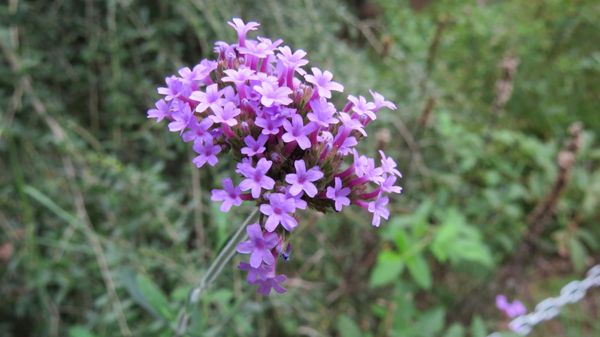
214,270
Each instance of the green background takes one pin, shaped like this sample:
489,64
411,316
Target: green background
106,224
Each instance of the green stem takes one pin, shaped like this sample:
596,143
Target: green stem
213,271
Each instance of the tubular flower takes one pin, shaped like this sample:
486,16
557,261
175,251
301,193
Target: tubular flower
294,149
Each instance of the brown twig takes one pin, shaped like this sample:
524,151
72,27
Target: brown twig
504,86
424,117
504,89
432,51
538,219
415,151
426,112
542,213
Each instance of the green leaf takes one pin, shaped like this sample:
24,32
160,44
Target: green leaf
347,327
52,206
80,331
577,253
145,293
221,295
458,241
456,330
401,241
431,322
419,270
157,300
588,238
478,328
388,267
418,221
221,223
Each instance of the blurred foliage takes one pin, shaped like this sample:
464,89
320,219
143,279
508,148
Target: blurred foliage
94,197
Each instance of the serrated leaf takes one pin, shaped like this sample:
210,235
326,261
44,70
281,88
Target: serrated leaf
388,268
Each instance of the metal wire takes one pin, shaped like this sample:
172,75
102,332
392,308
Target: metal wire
549,308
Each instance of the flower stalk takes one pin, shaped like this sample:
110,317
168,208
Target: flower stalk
213,271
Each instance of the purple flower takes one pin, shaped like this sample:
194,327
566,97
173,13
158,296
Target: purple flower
347,146
269,283
259,246
272,94
175,88
512,310
296,131
256,274
256,177
297,199
323,82
162,110
272,44
197,130
209,99
362,107
239,76
264,276
322,113
193,77
181,118
351,123
278,211
229,95
389,165
380,101
339,194
226,114
377,207
388,185
277,112
269,126
207,152
303,180
258,50
292,60
365,167
242,29
229,195
254,146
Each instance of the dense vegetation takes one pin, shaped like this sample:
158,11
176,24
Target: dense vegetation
106,224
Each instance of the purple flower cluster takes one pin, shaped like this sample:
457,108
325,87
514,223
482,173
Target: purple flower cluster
294,149
511,309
